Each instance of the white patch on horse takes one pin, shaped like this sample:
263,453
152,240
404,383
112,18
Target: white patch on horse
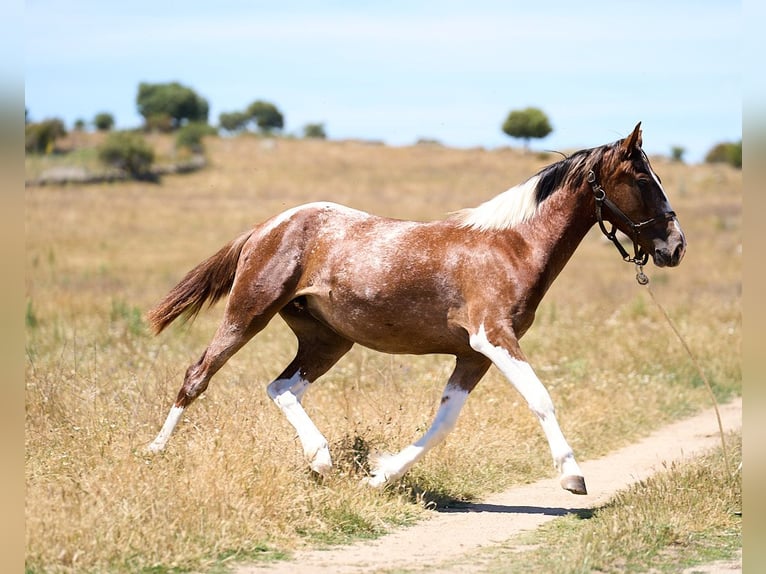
288,214
504,211
655,177
388,467
521,375
158,444
287,394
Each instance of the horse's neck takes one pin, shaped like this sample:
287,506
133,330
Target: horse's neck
555,232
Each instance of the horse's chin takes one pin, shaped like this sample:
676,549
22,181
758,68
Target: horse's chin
666,258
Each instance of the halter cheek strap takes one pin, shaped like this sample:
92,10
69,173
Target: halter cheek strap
640,257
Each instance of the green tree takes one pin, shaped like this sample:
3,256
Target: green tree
314,131
190,136
527,124
266,116
171,103
127,151
104,121
41,137
726,152
233,121
677,153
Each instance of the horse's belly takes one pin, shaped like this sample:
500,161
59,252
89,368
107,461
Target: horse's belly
412,327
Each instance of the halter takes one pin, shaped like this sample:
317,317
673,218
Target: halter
640,257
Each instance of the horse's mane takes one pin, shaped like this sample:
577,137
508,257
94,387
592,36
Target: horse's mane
521,202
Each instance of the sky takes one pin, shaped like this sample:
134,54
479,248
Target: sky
399,71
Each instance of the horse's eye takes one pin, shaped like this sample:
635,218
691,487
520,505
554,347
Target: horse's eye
643,185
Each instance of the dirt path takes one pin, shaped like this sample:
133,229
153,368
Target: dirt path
453,533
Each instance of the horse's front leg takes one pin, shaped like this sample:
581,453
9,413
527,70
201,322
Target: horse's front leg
502,348
468,371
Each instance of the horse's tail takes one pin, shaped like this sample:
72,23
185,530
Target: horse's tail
208,281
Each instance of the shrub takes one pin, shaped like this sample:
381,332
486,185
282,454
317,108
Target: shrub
127,151
677,153
41,137
190,136
726,152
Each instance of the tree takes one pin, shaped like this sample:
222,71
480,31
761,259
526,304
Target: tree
127,151
233,121
527,124
266,116
171,102
726,152
41,137
190,136
104,121
677,153
315,131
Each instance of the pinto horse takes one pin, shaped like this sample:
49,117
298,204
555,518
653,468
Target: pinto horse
466,286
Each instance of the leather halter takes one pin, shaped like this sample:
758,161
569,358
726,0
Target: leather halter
640,257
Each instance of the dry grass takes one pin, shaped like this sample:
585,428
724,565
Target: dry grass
688,514
232,483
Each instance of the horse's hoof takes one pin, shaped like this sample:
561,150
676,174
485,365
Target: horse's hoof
373,481
574,484
320,462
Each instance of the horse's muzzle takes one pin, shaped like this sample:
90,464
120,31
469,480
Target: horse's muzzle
669,252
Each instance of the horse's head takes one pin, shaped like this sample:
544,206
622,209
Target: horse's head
630,196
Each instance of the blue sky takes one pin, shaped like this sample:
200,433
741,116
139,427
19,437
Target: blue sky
398,71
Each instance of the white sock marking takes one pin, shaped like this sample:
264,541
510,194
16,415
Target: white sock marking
521,375
287,393
391,467
167,429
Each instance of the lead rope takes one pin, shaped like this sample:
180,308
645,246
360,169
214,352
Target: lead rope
644,280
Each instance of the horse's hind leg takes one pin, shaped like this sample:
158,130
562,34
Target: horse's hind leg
468,371
225,343
319,348
245,316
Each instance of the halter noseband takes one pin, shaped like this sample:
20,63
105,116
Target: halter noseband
640,257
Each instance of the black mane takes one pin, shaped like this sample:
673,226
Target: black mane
570,170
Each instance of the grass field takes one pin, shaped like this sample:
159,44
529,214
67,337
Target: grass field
232,483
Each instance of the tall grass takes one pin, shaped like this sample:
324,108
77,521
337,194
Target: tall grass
233,483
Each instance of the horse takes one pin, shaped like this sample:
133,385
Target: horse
467,285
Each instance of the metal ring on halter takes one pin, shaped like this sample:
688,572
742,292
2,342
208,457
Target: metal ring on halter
641,277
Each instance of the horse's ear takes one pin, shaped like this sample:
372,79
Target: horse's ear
633,141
